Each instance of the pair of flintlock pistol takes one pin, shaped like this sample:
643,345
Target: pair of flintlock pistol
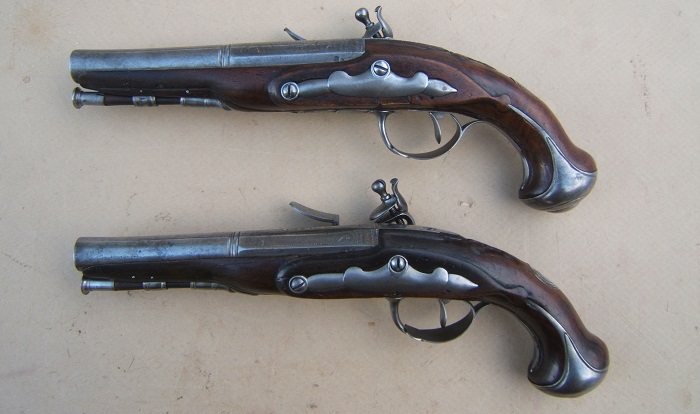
389,257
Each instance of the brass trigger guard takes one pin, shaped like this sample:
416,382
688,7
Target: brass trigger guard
461,129
442,334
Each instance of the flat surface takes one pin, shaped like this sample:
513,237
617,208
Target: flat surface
621,77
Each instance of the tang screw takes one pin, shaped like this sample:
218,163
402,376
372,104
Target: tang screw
298,284
381,68
398,264
290,91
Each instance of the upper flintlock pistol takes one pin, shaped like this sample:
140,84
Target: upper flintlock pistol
374,73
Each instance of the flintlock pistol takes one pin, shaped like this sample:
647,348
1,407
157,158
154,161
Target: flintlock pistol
389,258
374,73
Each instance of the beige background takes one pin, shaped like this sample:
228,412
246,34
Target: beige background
621,77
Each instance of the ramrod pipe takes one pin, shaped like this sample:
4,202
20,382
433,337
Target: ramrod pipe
81,98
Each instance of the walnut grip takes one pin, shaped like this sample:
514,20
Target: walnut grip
568,359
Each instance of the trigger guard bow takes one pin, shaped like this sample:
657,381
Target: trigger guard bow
459,133
445,332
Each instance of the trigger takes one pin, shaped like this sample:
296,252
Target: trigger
436,117
443,312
